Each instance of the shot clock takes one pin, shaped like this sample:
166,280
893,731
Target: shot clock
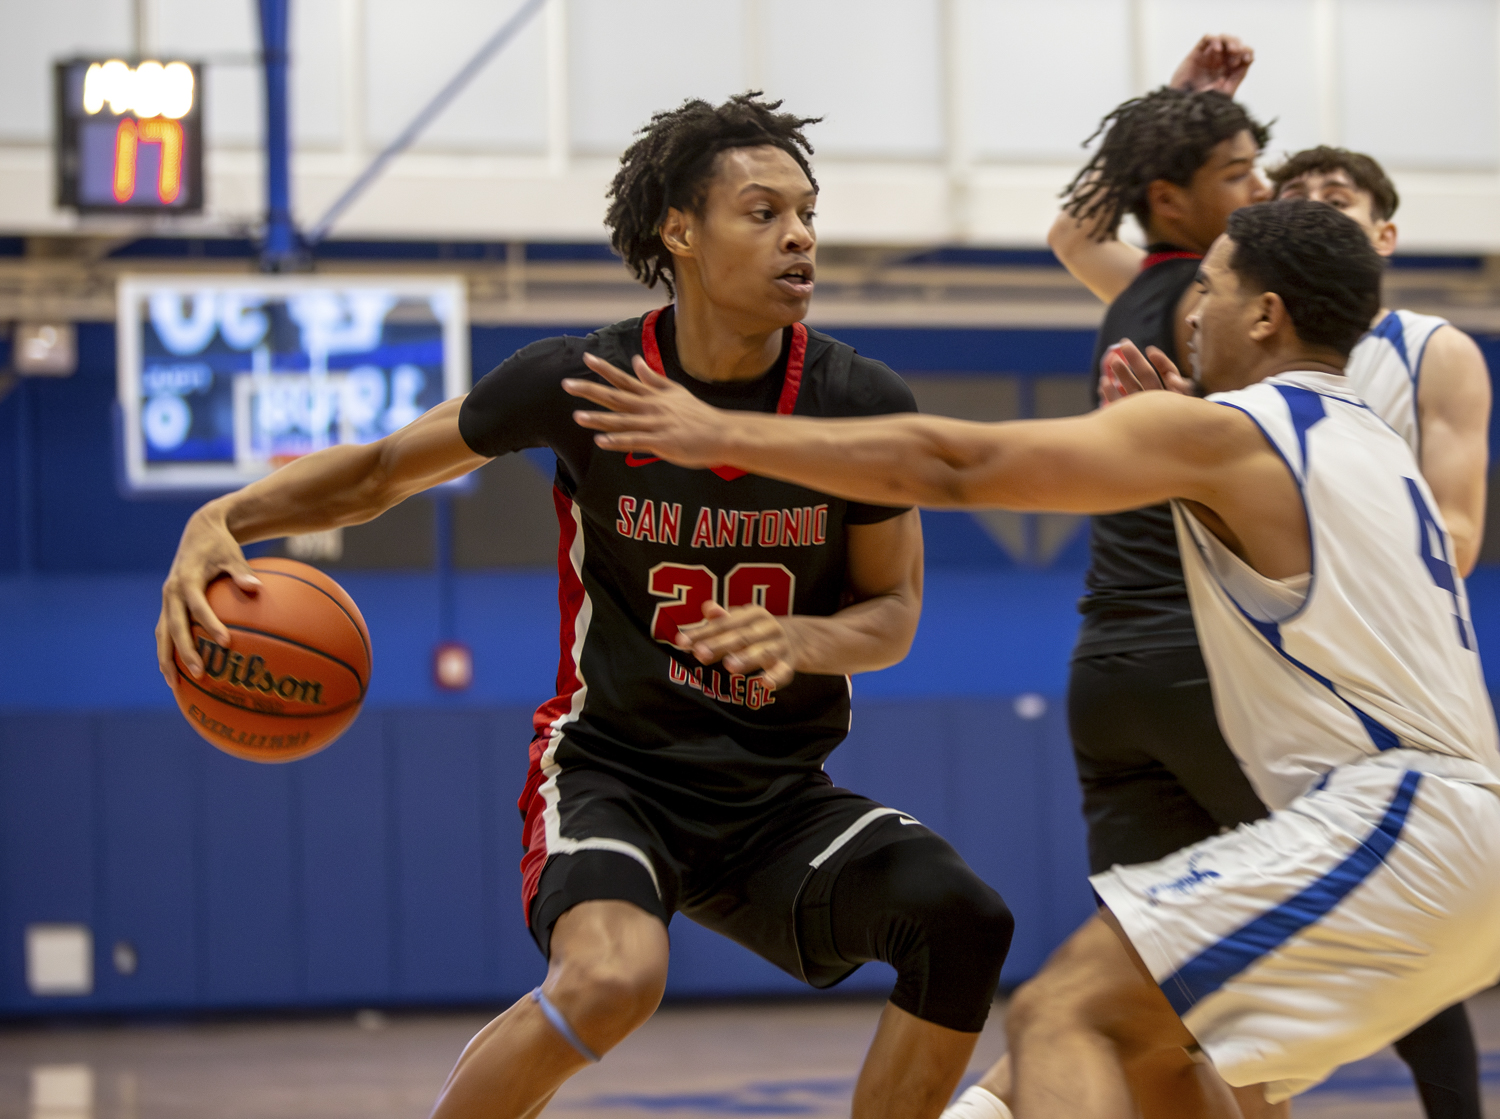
129,135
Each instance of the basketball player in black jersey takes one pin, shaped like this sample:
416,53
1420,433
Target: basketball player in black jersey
1155,770
709,621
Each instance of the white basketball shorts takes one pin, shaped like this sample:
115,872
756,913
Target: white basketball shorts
1316,936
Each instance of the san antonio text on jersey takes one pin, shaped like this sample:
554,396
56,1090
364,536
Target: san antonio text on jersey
645,544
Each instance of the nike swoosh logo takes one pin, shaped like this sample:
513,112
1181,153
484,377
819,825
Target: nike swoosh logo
631,459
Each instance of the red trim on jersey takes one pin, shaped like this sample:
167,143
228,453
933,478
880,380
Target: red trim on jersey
649,349
570,596
793,383
1168,254
790,387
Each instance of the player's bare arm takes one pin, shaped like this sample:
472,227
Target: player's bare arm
1142,451
875,631
1453,402
338,486
1094,255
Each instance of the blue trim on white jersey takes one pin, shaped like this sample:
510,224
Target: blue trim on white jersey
1306,409
1393,330
1215,966
1300,403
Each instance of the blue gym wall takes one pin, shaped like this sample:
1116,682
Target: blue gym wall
384,870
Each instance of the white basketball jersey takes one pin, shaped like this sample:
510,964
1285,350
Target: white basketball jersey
1373,650
1386,367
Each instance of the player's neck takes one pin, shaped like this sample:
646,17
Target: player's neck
1301,361
1164,231
717,345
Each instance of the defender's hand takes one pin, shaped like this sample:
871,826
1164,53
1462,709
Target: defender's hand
1216,62
1127,371
206,551
748,639
649,413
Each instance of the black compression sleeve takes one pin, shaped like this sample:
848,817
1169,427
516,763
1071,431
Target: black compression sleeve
916,905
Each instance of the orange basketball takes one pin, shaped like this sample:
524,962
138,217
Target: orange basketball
295,672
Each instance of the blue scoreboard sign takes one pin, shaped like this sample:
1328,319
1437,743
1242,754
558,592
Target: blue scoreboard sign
224,378
129,137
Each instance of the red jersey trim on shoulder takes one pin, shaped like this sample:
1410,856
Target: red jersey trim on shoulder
1153,259
794,362
791,386
649,349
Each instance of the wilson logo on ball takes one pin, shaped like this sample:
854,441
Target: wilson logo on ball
254,675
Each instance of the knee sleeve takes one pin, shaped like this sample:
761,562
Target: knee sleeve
1445,1064
917,906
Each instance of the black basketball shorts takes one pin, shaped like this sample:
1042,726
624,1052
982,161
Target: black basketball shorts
1157,775
763,877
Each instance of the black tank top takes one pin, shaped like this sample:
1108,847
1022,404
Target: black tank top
1136,598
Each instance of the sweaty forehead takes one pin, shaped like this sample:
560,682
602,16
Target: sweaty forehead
1239,147
741,169
1216,260
1321,180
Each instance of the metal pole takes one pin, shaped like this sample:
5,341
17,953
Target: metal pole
281,252
440,101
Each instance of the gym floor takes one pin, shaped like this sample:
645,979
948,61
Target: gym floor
689,1062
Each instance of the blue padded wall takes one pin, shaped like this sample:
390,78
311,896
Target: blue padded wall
385,870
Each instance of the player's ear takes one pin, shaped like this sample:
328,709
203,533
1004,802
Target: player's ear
1164,199
1270,317
677,232
1384,238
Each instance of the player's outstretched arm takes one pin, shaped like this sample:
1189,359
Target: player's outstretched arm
1155,446
1143,450
338,486
1453,401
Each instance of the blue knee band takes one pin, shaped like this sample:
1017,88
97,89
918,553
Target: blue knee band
560,1024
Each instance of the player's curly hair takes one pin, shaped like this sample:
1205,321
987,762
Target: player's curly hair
1318,260
1167,134
1365,173
671,163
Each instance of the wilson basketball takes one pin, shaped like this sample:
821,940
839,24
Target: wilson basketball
294,674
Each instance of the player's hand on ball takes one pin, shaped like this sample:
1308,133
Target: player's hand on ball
1126,371
206,551
649,413
748,639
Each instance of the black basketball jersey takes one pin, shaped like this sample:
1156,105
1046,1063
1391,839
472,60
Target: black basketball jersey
1136,597
645,544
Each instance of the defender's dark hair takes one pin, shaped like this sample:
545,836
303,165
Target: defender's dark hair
1363,171
1318,260
672,162
1167,134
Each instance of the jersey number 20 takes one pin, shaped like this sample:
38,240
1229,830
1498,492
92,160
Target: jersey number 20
690,586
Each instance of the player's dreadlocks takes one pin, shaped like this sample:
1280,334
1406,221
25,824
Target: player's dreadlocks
671,163
1167,134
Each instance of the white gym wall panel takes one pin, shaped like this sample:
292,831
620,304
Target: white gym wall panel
946,120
